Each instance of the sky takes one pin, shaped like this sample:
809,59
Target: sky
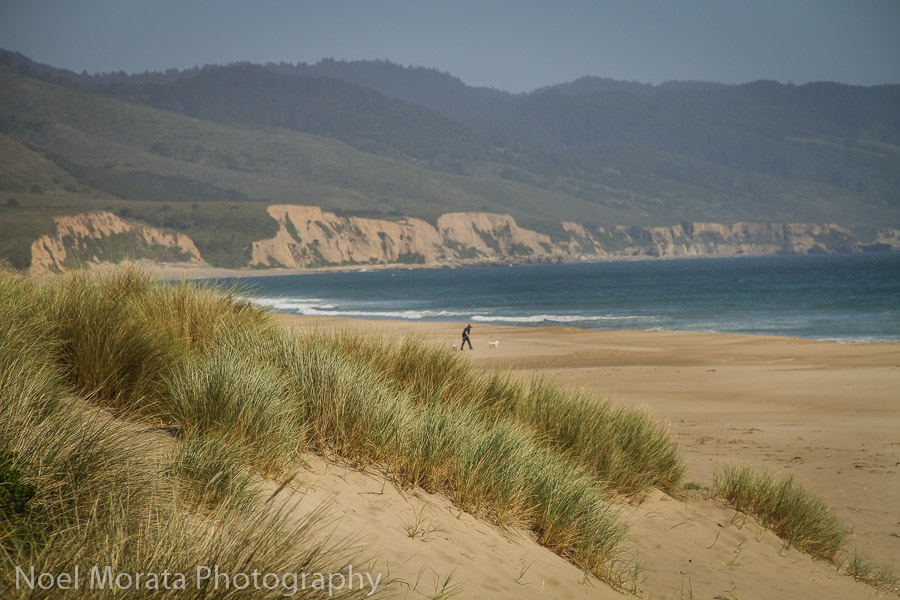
515,46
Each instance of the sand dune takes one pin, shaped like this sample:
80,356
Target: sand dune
828,413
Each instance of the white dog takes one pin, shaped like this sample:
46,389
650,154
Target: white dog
494,344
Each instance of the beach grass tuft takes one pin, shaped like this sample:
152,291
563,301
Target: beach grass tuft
224,395
494,468
800,517
119,335
210,471
625,447
861,568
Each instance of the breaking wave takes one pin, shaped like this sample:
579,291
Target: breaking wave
558,318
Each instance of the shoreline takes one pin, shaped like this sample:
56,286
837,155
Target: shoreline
174,271
648,319
389,324
456,323
193,271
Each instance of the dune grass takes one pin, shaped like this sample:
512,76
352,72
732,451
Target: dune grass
800,517
242,396
210,471
861,568
122,333
222,394
243,399
91,490
625,447
494,468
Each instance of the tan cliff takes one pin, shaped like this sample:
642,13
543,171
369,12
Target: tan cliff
311,237
887,240
716,239
491,236
97,237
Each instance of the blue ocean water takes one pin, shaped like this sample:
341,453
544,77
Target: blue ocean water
849,297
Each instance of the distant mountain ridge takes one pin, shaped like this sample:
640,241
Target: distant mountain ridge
383,75
365,119
422,86
843,136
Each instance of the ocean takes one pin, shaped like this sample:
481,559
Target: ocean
845,297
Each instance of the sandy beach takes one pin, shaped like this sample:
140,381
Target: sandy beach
825,412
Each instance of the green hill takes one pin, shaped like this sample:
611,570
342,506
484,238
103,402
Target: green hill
254,96
840,135
758,151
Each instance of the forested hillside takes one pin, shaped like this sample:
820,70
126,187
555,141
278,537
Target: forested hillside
840,135
776,142
369,121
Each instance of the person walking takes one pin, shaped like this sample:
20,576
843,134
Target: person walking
465,335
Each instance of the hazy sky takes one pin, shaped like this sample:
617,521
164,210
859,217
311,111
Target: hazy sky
515,46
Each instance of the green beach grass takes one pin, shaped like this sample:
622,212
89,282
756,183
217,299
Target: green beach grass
800,517
138,420
627,448
245,399
81,488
